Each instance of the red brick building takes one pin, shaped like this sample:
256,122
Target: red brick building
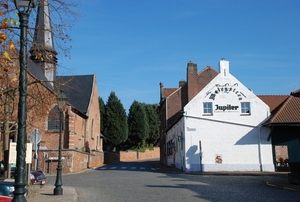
173,100
81,138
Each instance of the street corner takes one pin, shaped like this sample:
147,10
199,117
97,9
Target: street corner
166,169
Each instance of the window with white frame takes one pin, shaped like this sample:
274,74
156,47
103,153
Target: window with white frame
245,108
207,108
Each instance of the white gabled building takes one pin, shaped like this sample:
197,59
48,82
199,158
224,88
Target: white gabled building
220,129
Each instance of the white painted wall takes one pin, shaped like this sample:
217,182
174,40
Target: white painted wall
176,132
237,139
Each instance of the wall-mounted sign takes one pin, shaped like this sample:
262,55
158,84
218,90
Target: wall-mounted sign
226,88
191,129
13,152
227,107
56,158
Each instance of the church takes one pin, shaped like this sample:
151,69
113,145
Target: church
81,138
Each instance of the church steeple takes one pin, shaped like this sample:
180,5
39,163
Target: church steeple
42,50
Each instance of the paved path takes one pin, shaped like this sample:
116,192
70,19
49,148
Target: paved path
69,195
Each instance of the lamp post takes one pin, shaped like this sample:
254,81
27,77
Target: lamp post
24,8
61,102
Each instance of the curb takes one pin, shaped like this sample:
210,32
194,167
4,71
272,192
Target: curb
281,187
233,173
284,186
173,170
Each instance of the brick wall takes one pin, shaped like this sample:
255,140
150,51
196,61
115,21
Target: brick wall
79,161
124,156
281,152
73,160
149,154
128,155
96,159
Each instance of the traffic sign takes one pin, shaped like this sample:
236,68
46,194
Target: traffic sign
35,136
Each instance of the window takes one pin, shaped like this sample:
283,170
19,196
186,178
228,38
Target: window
97,143
92,131
245,107
171,147
207,108
53,119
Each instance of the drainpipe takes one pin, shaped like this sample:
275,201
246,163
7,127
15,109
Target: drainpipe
259,149
259,146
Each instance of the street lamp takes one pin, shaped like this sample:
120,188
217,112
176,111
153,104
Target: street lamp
24,8
61,102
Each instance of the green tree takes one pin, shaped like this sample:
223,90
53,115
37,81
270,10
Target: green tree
153,121
115,124
137,125
102,114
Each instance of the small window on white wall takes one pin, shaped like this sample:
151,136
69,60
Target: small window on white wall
207,108
245,108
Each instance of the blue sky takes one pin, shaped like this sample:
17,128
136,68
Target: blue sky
133,45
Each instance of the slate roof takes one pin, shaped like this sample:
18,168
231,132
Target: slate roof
78,89
36,71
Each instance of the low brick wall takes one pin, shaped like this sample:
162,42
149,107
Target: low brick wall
128,155
149,154
72,160
96,159
131,155
78,162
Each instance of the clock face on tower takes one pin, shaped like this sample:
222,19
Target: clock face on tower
225,89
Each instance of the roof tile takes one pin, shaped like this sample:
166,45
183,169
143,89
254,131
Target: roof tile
273,101
289,112
169,91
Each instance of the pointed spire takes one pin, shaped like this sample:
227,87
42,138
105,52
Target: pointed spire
42,50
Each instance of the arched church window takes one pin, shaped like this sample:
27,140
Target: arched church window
54,119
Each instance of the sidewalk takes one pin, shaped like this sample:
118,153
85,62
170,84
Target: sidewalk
46,195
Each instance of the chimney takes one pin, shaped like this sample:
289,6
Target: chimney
192,75
191,69
161,87
224,67
181,83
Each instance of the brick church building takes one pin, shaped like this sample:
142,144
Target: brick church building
81,138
